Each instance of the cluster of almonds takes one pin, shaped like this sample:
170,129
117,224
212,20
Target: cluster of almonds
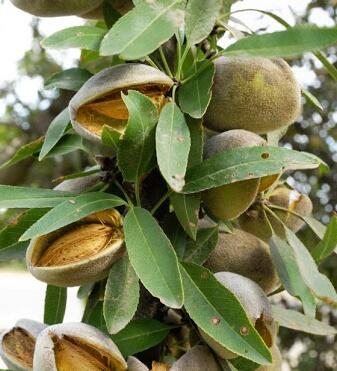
31,345
249,97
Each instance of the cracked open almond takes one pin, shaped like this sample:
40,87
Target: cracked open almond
79,253
17,344
76,346
99,101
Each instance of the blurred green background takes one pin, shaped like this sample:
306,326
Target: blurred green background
315,132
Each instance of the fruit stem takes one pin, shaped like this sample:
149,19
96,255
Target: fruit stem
152,63
164,60
161,201
264,209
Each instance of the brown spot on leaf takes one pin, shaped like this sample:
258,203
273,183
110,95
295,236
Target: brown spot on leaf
215,320
244,330
265,155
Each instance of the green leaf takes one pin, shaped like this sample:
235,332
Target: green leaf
10,248
290,275
140,335
13,197
329,241
316,281
291,42
110,137
198,251
312,100
206,299
186,207
200,18
143,29
110,14
173,144
71,79
95,317
24,152
238,164
69,143
55,132
297,321
332,70
195,95
139,137
316,226
84,37
121,295
152,257
55,305
71,211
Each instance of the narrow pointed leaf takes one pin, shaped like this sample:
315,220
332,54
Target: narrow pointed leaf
200,18
13,197
71,79
152,257
143,29
173,143
69,143
199,250
55,132
329,241
290,275
55,305
121,295
297,321
110,137
139,136
84,37
186,207
23,153
207,299
140,335
10,248
245,163
195,95
71,211
316,281
291,42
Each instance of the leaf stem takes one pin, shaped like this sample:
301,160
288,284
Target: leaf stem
152,63
164,60
137,192
161,201
201,69
127,198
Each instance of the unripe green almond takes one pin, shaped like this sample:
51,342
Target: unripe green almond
257,306
277,361
56,8
243,253
99,101
76,346
254,220
80,253
121,6
256,94
17,344
231,200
